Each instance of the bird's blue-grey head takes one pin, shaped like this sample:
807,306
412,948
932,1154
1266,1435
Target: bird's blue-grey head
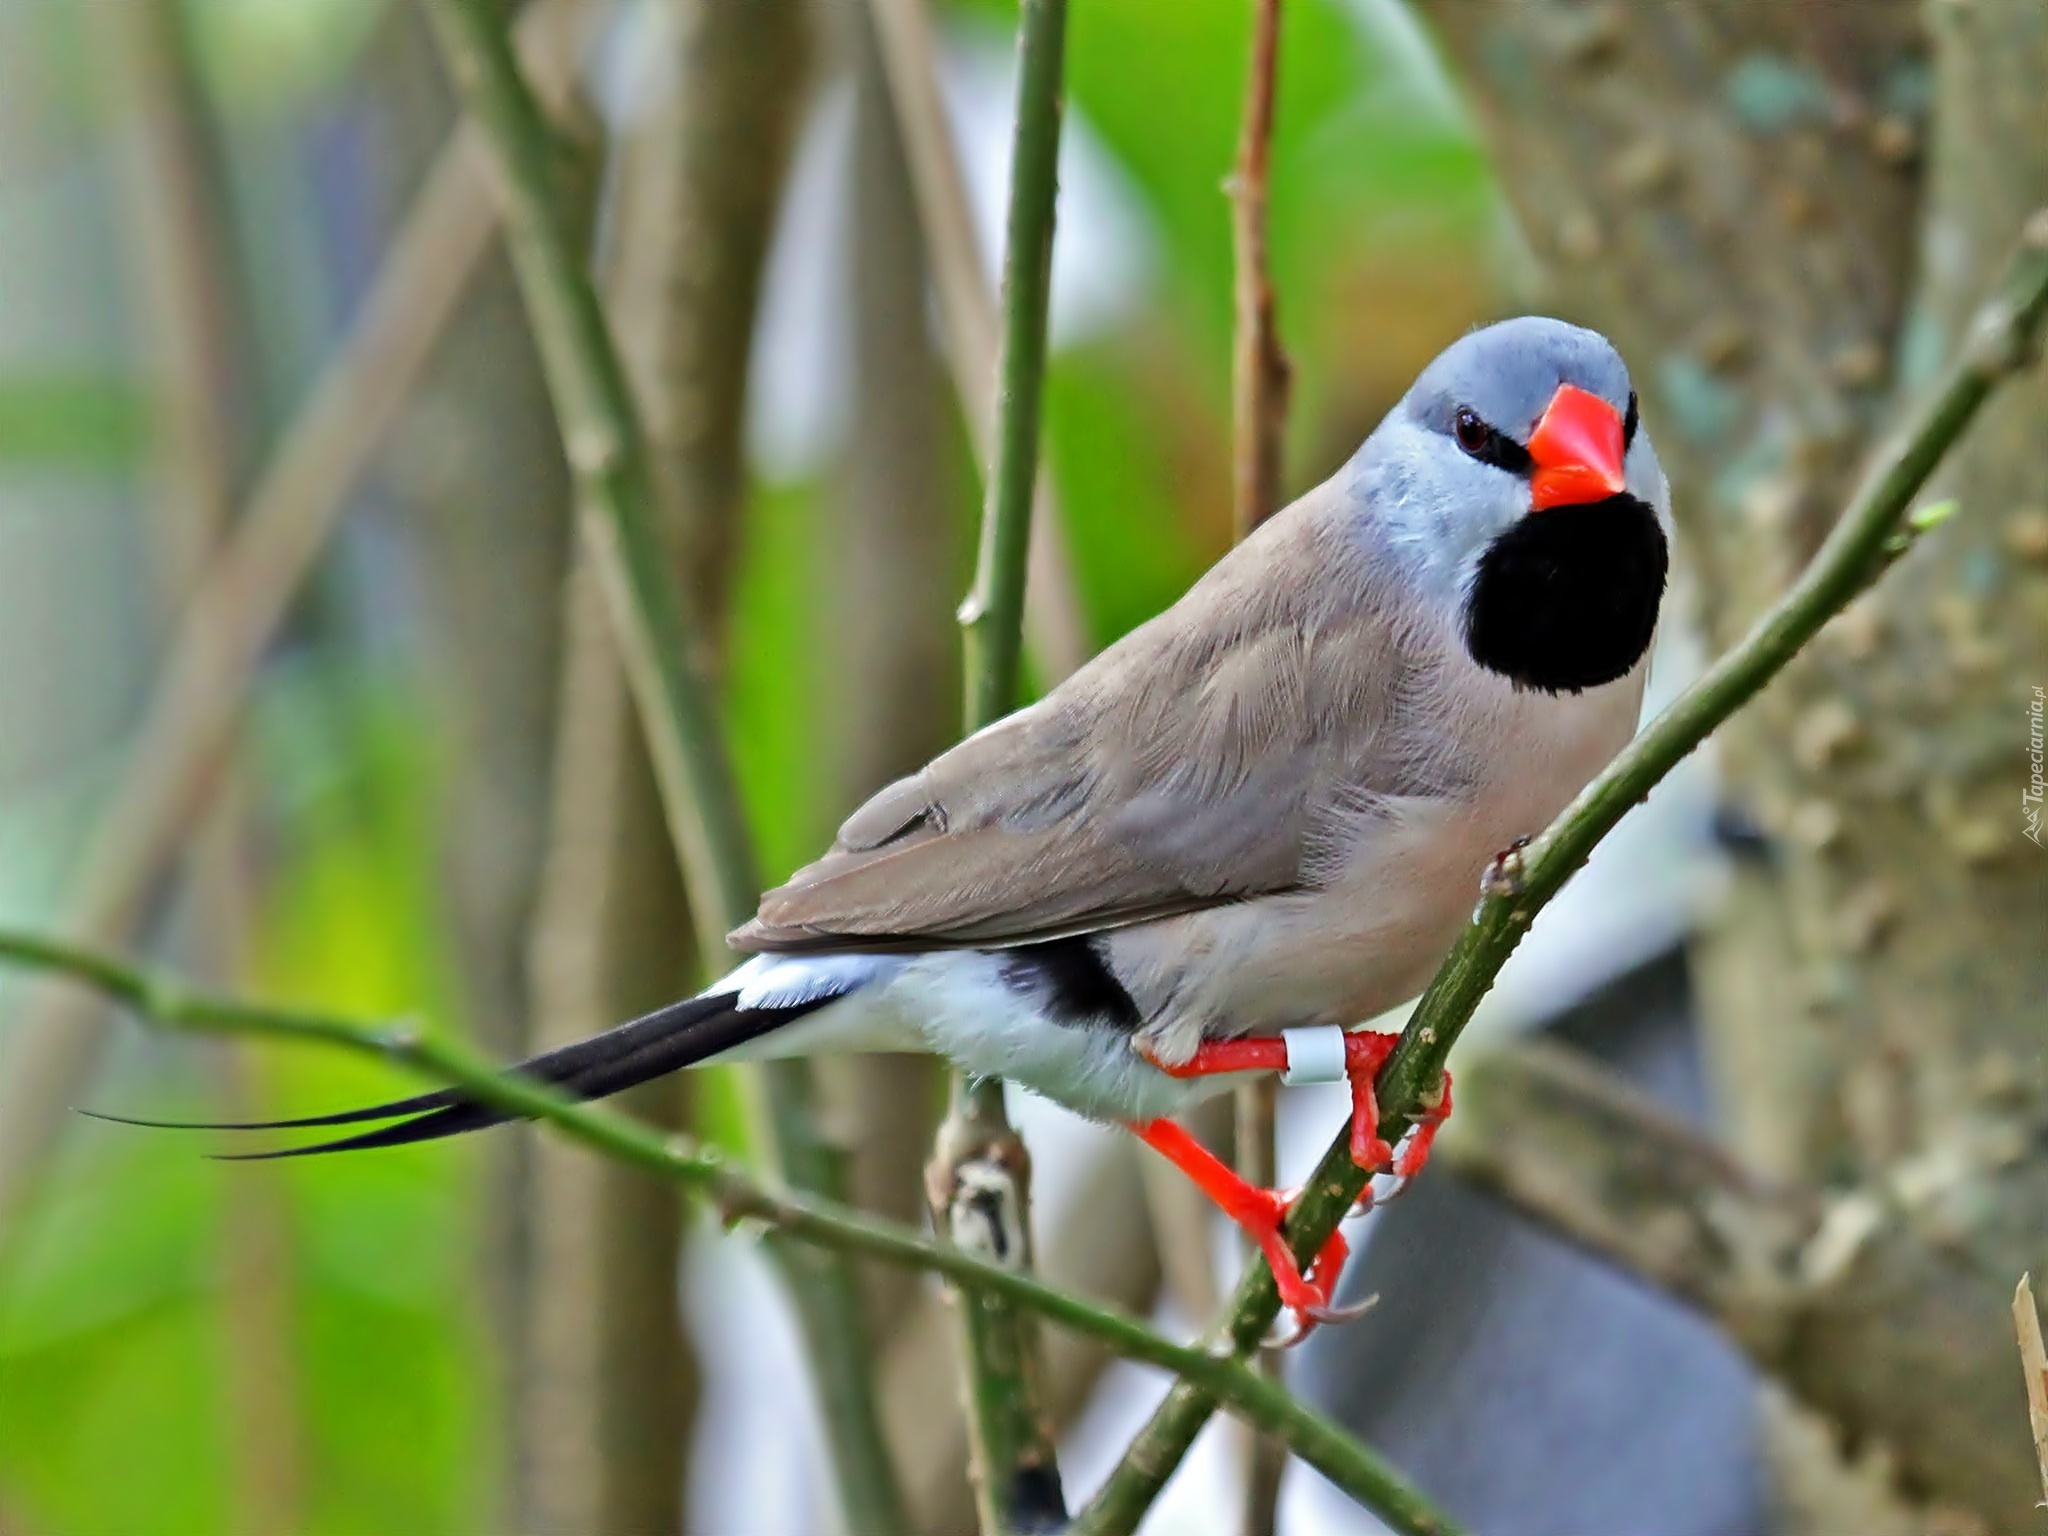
1516,487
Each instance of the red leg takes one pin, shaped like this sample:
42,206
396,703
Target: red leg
1262,1213
1261,1053
1364,1055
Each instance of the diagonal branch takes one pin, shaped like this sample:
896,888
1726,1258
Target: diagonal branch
1870,535
788,1217
661,648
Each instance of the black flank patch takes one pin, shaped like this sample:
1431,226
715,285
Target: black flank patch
1077,983
1567,598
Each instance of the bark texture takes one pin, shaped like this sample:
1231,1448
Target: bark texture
1782,214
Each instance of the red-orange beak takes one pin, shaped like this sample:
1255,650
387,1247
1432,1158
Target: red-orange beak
1578,451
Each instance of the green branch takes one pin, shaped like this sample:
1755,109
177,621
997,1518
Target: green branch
1015,1464
993,615
1870,535
739,1197
607,452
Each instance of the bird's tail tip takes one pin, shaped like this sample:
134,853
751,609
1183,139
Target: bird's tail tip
653,1045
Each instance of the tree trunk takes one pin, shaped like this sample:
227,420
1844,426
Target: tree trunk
1782,214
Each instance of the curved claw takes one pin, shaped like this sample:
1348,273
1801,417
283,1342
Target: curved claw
1396,1188
1305,1321
1347,1314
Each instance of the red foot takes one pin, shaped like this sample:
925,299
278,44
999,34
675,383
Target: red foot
1364,1055
1263,1214
1260,1053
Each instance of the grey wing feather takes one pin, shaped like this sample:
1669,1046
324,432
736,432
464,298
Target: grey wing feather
1199,761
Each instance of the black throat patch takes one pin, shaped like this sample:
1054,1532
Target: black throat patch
1567,598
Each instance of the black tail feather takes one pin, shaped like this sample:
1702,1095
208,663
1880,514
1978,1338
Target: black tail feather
653,1045
449,1120
418,1105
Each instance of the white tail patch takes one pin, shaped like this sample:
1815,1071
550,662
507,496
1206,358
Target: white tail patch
857,1014
788,981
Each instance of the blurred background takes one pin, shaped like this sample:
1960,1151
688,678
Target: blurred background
304,693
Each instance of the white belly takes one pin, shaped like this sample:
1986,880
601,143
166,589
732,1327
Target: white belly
955,1004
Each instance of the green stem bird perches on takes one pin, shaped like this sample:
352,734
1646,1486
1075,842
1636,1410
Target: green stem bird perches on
658,641
1871,534
789,1219
980,1172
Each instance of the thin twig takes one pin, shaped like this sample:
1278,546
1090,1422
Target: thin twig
1256,1161
1260,372
992,616
181,274
980,1173
2026,1318
607,451
610,1390
607,454
239,602
1103,1248
1055,629
740,1198
1868,537
1259,389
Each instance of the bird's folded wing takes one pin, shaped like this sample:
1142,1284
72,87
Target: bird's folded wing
1209,757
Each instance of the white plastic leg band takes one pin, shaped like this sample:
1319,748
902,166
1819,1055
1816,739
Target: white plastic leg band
1314,1055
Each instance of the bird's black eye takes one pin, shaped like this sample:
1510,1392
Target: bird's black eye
1629,423
1488,446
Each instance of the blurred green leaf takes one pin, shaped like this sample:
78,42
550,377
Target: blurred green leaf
120,1431
78,421
264,56
773,677
115,1306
